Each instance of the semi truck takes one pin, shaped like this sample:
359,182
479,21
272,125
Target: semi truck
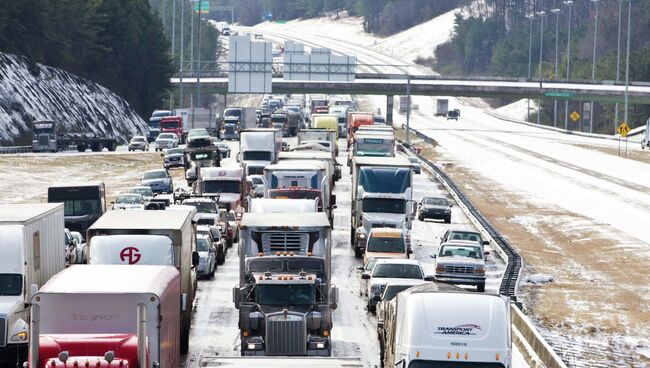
286,120
382,196
356,119
33,251
154,123
83,203
181,121
225,183
46,137
259,147
325,121
312,155
437,325
107,316
442,107
235,119
285,296
141,237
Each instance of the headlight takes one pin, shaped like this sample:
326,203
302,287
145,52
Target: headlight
440,268
361,235
20,336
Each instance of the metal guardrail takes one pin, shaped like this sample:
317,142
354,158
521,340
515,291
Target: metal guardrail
15,149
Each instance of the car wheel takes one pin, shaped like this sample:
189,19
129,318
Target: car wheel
480,288
421,218
448,220
357,252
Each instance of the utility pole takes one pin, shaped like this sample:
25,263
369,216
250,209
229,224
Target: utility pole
541,50
171,94
557,29
593,67
408,109
618,59
568,3
627,62
181,104
530,54
198,55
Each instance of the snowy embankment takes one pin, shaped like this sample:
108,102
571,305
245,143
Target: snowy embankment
76,104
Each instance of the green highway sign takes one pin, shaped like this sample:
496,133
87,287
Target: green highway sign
205,7
559,94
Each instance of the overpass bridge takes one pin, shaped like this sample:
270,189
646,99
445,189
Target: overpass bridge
423,85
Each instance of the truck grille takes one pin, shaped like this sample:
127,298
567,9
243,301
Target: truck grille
460,269
43,139
3,331
286,335
289,242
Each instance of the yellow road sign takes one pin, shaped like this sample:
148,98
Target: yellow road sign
574,116
623,129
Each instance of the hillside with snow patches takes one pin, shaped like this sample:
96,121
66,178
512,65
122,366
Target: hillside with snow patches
76,104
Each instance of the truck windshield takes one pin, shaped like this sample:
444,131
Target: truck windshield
232,112
460,251
392,290
388,245
384,205
11,284
257,156
155,124
285,294
221,186
294,194
169,125
77,201
385,180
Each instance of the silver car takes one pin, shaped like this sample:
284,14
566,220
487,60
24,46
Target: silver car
139,142
166,140
461,264
207,257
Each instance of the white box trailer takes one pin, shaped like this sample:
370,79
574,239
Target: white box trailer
257,148
89,314
437,325
138,238
32,250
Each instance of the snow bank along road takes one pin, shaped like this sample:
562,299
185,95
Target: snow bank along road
577,212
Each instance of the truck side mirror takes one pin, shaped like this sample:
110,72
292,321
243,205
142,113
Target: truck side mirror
195,258
429,278
365,276
183,302
238,156
334,297
333,199
236,296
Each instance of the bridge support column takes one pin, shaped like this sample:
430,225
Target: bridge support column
389,109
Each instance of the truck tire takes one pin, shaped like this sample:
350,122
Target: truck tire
357,252
185,340
112,146
81,147
96,147
480,288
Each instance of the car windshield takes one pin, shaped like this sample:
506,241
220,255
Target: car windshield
285,294
157,114
460,251
392,290
11,284
80,207
221,186
465,235
173,151
169,125
397,271
388,245
257,156
202,244
370,264
129,199
210,221
165,135
197,133
203,207
431,201
137,139
384,205
257,181
158,174
143,191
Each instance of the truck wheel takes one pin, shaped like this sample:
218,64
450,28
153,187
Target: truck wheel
81,147
112,146
448,220
480,288
96,147
229,243
185,340
357,252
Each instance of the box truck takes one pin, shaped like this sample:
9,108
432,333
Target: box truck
143,238
33,250
108,316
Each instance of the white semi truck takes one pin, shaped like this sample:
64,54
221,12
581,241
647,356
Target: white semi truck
108,316
149,238
33,250
225,182
258,148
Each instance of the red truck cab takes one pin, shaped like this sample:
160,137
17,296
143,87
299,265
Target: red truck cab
357,119
173,124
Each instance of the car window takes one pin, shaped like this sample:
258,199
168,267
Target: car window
402,271
155,175
202,244
435,201
458,251
129,199
166,136
388,245
465,235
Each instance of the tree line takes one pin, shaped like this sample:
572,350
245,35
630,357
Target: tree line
495,37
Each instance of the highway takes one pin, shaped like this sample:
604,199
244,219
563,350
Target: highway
576,211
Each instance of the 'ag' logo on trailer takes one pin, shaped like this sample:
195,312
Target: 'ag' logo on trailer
130,254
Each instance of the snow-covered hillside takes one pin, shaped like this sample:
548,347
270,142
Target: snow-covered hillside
78,105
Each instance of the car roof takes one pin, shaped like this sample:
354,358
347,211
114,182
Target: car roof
398,261
198,199
156,170
461,243
465,230
386,232
405,282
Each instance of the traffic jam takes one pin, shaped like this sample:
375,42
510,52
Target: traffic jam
299,228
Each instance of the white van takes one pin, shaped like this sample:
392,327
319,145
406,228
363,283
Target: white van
438,325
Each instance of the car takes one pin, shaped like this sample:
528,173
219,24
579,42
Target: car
227,229
224,150
80,244
129,201
70,247
198,138
258,36
386,242
145,191
415,164
436,208
207,256
257,182
391,290
460,264
453,114
158,180
462,234
234,224
226,31
202,205
139,142
386,270
166,140
175,157
217,220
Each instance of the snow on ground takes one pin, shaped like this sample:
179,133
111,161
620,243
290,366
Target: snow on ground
78,105
517,110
